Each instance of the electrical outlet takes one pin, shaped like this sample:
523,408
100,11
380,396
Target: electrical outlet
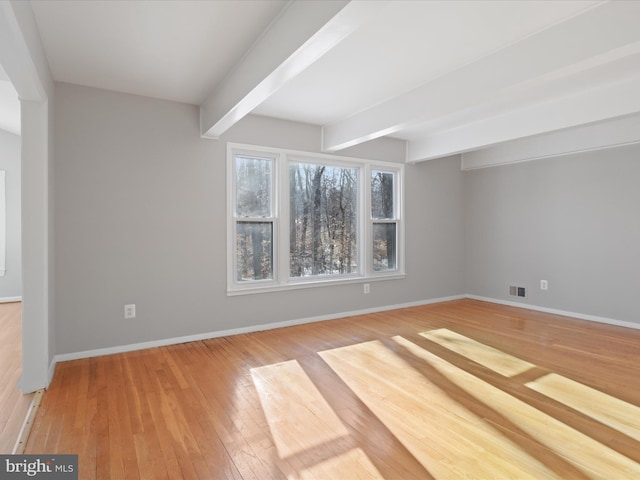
130,311
366,288
544,285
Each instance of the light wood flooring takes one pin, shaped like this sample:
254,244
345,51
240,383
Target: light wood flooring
456,390
13,404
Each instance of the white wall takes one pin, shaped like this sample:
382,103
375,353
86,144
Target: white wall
140,218
23,59
11,282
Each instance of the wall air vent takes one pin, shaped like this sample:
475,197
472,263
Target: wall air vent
515,291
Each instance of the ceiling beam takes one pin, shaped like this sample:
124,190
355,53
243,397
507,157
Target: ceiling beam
605,102
539,57
596,136
303,33
21,53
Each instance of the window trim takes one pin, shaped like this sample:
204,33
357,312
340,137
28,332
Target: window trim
280,203
398,217
232,220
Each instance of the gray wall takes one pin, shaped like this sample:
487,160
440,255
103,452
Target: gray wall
11,282
573,220
140,218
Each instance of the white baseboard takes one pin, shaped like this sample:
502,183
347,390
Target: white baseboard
10,299
269,326
581,316
52,370
235,331
23,436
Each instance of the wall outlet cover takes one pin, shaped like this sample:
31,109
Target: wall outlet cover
129,311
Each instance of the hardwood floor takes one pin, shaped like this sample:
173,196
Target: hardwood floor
461,389
13,404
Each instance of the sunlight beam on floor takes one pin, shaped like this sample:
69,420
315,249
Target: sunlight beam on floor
494,359
354,465
613,412
299,417
590,456
446,438
307,433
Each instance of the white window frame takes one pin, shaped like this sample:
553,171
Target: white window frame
233,220
280,211
398,210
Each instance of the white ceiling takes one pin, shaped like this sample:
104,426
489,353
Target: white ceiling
405,46
447,76
175,50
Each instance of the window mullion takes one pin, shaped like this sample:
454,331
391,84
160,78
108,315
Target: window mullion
367,237
255,219
398,213
384,220
283,216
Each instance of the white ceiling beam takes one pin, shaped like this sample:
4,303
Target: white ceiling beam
303,33
21,51
594,105
597,33
612,133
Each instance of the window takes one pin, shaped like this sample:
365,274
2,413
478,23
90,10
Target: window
254,217
384,220
323,216
298,219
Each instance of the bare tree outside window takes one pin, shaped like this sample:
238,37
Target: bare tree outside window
254,242
384,220
299,219
253,186
254,228
323,220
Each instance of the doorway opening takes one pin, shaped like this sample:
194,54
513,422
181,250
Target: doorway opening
14,405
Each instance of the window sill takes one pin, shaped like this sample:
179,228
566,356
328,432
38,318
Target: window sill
312,284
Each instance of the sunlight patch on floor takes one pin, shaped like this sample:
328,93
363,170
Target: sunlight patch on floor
593,458
449,440
299,417
446,438
353,464
487,356
613,412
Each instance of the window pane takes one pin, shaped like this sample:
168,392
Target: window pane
254,250
382,194
384,246
323,220
253,187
